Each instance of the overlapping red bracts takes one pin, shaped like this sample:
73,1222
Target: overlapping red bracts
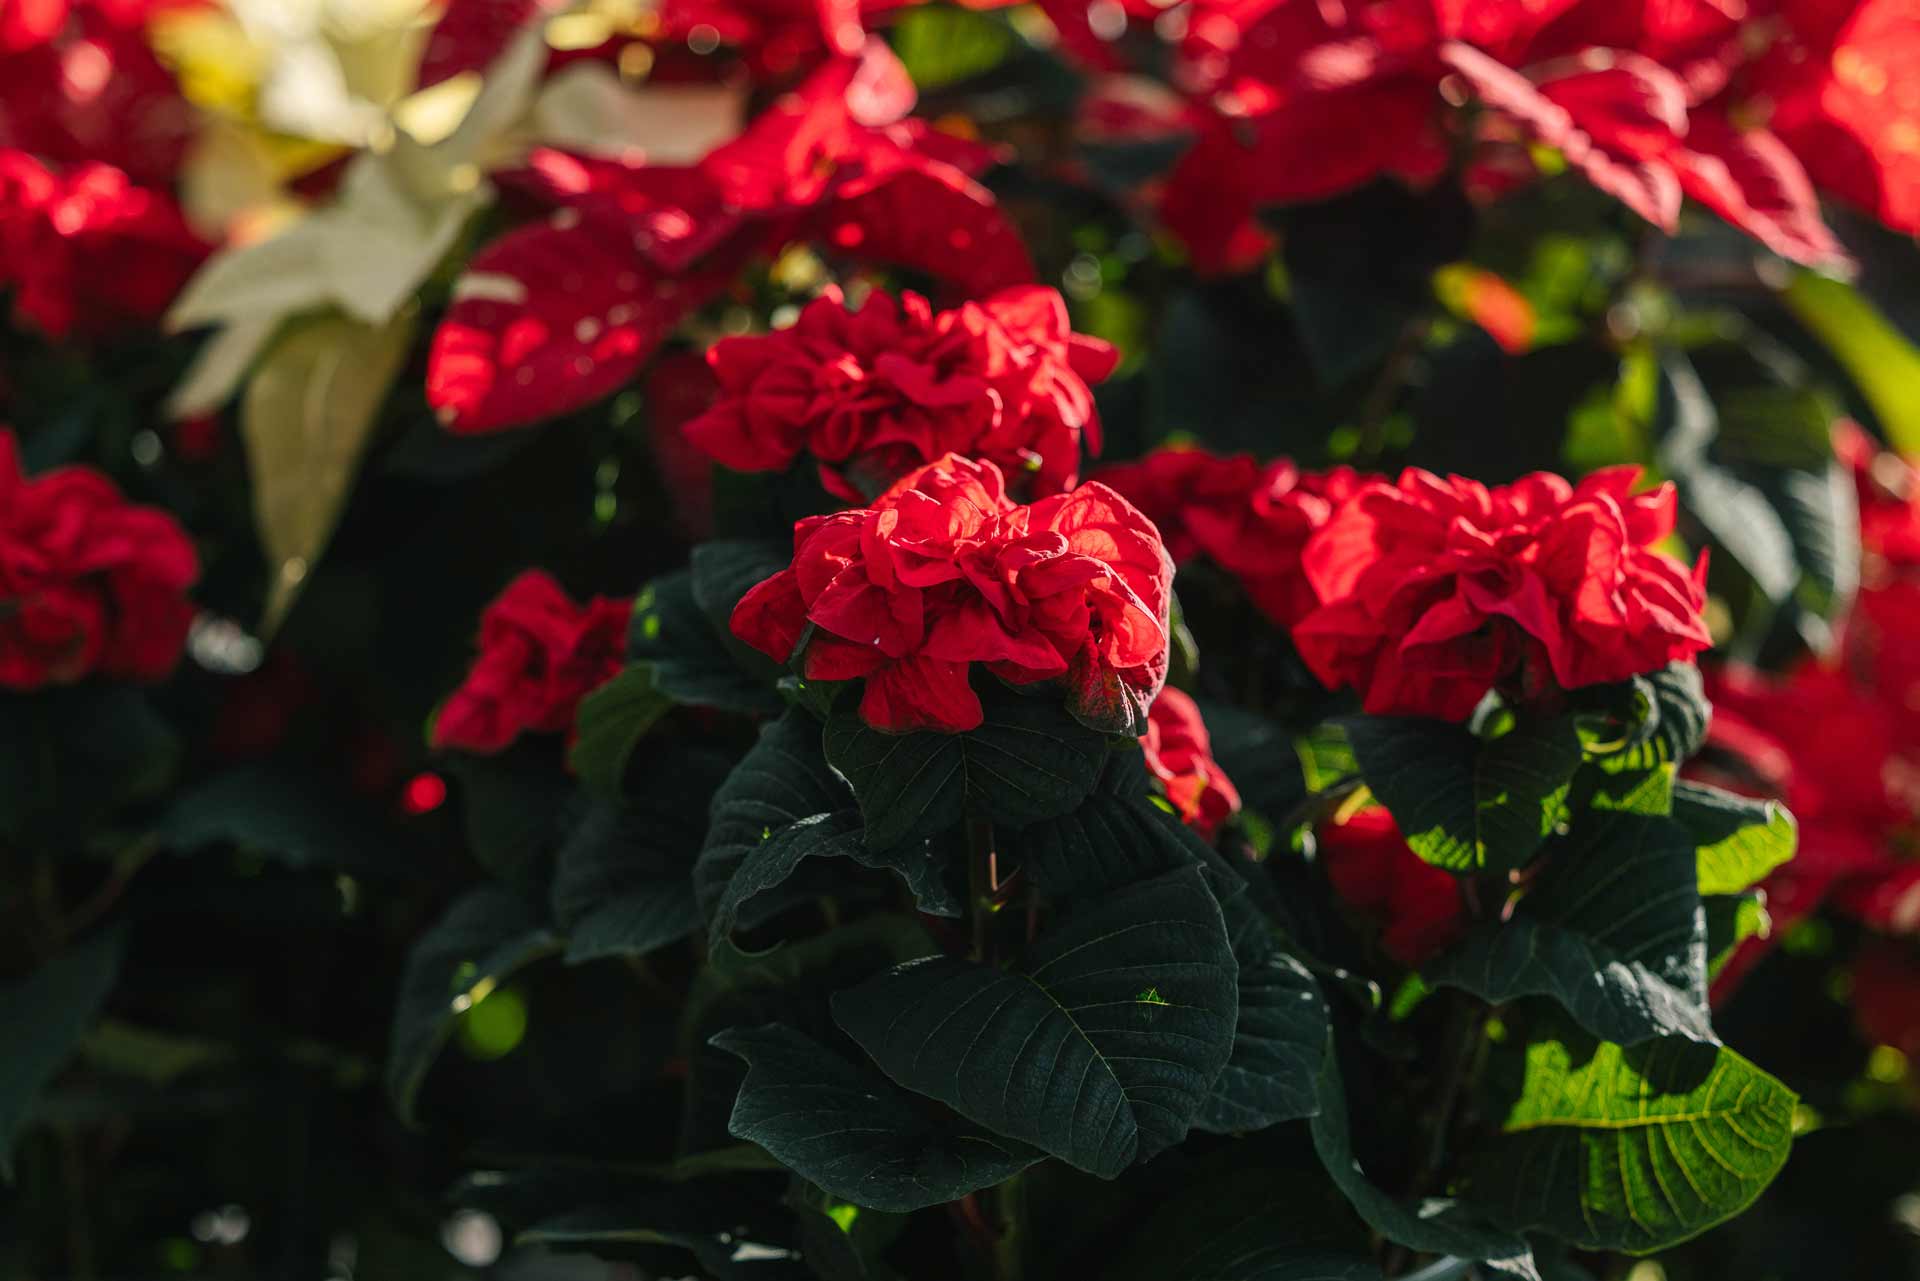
1179,753
79,84
1649,99
89,582
945,571
1251,519
540,654
1417,906
87,252
1435,591
1838,739
874,392
555,315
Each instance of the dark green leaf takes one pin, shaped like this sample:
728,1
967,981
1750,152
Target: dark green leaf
45,1015
1109,841
484,937
1434,1226
1260,1224
854,1132
1739,839
610,723
1613,931
695,661
70,757
1258,756
725,570
1467,804
657,1228
1274,1072
1732,919
512,806
1636,1149
1680,714
282,814
1029,761
1101,1049
622,882
784,778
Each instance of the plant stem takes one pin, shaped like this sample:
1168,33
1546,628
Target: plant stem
1464,1034
981,901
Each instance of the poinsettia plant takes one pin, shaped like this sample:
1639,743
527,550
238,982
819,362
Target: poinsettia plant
888,639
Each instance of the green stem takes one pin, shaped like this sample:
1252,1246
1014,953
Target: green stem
981,902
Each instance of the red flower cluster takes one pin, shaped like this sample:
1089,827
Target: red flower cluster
540,654
1251,519
87,252
1434,592
556,315
89,583
945,571
1839,740
1370,866
79,83
874,392
1180,754
1649,99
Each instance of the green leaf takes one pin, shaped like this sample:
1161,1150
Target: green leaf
782,779
1613,931
1739,839
1274,1072
46,1014
1101,1049
657,1228
1468,804
1433,1226
855,1133
1259,756
1633,1148
726,569
941,47
71,757
622,883
1107,842
610,723
511,807
1883,363
1027,762
485,937
281,813
307,417
1270,1222
693,663
1679,716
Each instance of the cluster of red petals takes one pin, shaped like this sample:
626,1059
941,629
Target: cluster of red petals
1838,739
1251,519
874,392
1370,866
1435,591
540,654
945,571
79,82
86,252
1179,753
1649,99
557,314
89,582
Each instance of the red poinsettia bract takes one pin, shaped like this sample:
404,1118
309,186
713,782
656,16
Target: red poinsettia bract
1251,519
557,314
540,654
873,392
1646,98
1418,906
87,252
1434,591
80,83
945,571
89,582
1179,753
